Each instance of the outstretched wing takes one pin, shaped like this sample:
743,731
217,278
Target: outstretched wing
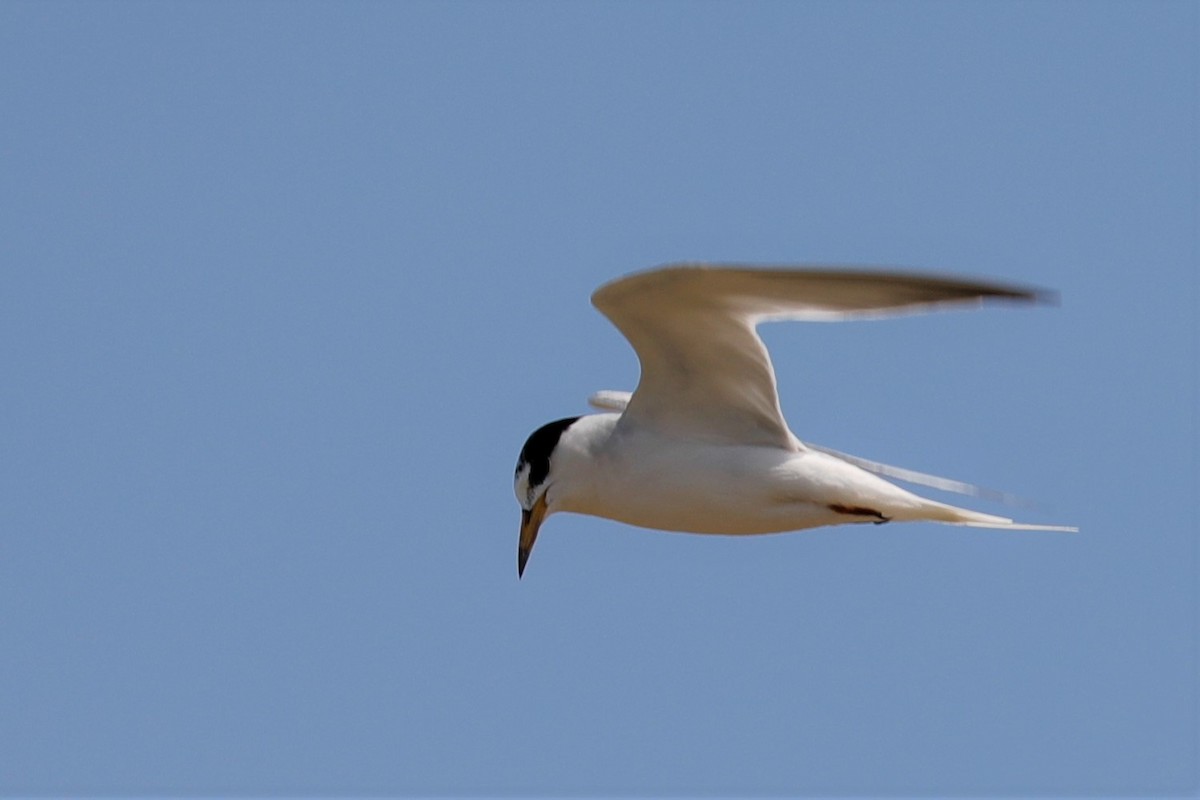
705,371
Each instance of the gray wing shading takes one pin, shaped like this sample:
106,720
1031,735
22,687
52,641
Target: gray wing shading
706,373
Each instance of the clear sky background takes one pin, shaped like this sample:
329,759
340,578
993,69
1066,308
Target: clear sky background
285,286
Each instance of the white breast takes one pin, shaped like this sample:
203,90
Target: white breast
653,481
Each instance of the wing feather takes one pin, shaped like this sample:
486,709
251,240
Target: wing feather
705,371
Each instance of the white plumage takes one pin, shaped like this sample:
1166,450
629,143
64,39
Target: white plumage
702,446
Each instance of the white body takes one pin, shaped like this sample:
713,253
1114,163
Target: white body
702,446
644,478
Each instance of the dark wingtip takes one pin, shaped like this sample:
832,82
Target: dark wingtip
1025,294
522,558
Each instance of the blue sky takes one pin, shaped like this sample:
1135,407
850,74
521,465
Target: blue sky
286,286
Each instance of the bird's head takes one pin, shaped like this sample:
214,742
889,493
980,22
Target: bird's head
533,479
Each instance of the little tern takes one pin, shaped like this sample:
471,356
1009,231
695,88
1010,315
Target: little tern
701,445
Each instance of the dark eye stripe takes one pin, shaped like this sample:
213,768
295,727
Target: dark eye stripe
539,446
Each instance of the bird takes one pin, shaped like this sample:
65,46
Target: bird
701,444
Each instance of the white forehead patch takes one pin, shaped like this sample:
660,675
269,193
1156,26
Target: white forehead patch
521,486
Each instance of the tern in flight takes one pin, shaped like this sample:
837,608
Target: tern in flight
701,445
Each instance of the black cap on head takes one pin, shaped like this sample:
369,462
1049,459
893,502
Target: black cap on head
539,446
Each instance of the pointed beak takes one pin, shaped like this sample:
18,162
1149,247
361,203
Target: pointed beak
531,520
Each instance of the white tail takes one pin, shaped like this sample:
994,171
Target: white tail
1019,526
953,515
941,512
